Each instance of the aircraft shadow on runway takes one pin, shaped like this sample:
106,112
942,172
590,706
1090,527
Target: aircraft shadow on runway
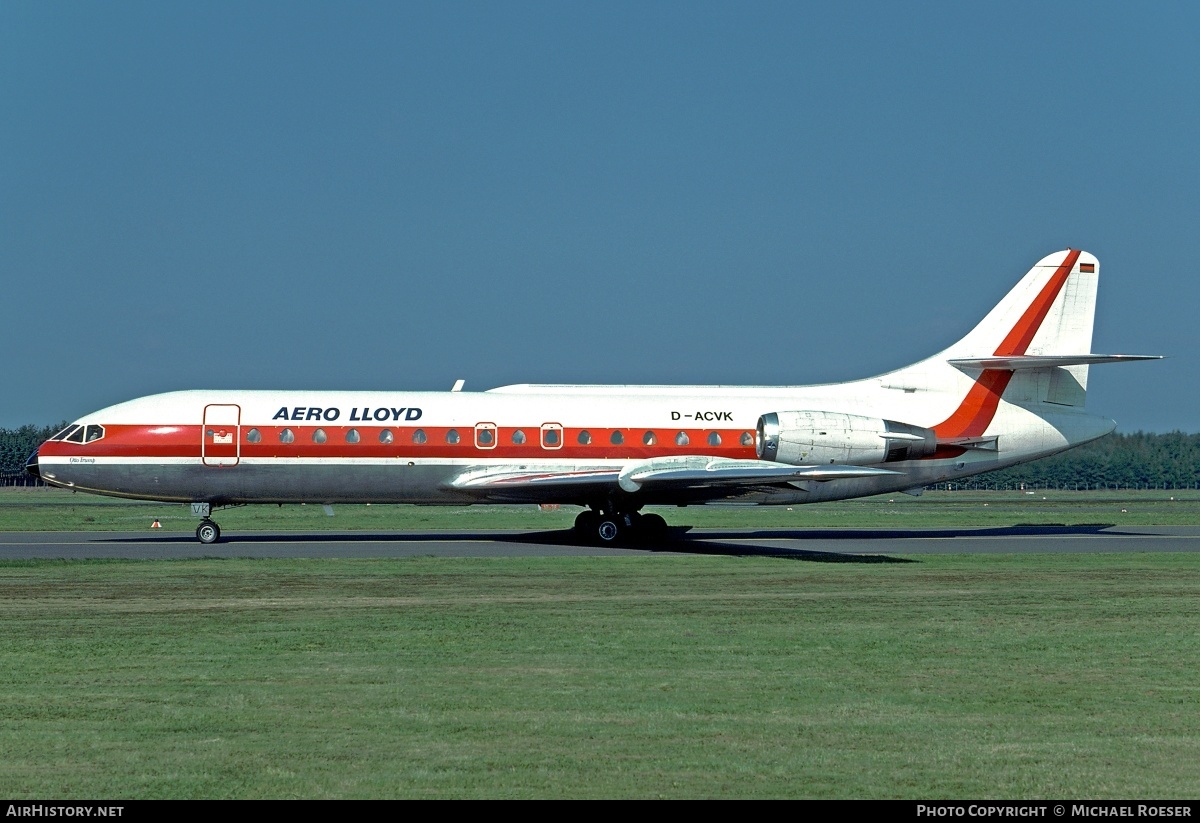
921,534
713,543
683,539
676,542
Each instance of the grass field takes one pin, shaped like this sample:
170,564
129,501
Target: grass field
985,676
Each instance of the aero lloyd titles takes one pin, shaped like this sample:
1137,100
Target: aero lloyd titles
331,413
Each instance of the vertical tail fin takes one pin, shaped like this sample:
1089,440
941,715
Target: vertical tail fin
1029,356
1032,348
1049,312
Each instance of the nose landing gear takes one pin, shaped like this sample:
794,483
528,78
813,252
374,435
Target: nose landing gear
208,531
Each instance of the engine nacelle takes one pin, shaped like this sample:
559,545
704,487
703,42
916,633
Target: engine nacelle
810,438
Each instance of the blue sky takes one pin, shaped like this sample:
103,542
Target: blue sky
396,195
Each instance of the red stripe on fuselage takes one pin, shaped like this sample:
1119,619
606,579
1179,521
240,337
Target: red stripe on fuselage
975,413
184,442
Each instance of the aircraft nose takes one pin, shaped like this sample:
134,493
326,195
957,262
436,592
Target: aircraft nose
31,465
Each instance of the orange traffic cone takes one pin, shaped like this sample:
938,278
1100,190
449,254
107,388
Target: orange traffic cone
156,524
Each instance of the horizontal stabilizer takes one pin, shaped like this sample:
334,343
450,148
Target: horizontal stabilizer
1031,361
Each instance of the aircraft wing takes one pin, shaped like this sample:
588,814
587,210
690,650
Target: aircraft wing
682,472
503,478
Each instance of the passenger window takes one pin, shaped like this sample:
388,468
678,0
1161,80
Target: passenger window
747,439
452,437
518,438
319,436
585,438
419,437
352,436
386,437
254,436
649,439
714,439
485,435
551,436
286,436
617,438
682,439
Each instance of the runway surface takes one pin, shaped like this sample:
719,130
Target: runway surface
799,544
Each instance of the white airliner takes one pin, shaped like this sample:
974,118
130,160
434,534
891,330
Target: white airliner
1012,390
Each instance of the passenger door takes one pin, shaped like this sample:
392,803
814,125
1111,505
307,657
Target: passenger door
222,438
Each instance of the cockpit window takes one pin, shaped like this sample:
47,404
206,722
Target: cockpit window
75,436
62,435
92,433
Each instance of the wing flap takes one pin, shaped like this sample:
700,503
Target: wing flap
549,478
702,472
685,472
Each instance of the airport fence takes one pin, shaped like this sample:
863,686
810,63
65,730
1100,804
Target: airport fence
20,478
1067,487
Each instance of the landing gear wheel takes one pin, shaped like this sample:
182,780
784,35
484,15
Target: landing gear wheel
586,523
208,532
608,530
652,527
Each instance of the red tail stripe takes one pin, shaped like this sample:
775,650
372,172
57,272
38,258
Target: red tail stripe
975,413
1018,340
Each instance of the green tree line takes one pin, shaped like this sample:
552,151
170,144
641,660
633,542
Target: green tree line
1136,460
1125,460
17,444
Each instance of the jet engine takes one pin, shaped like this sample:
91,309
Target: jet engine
806,438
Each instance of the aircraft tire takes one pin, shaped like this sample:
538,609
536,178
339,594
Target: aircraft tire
586,522
208,532
652,527
608,531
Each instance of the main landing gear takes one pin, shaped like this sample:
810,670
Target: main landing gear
611,528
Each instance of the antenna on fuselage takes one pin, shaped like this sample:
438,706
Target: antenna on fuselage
458,384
